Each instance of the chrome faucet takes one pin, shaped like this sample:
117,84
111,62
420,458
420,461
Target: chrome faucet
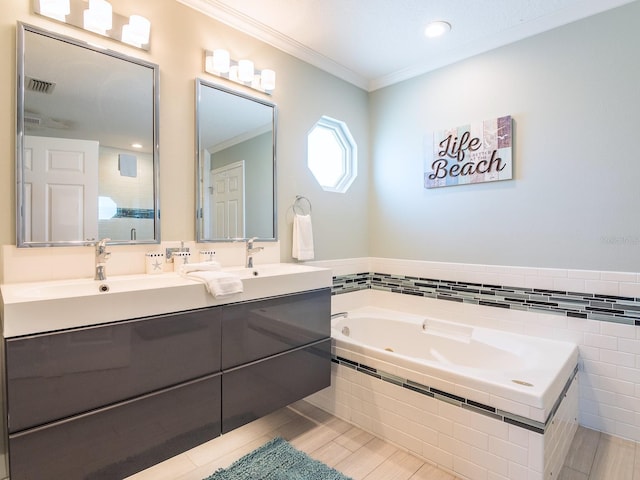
250,251
101,259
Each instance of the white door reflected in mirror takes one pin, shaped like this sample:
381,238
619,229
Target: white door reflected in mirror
61,189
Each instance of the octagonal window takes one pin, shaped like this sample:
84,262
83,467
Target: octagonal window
332,155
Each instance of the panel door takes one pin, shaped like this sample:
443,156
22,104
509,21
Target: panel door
228,200
61,189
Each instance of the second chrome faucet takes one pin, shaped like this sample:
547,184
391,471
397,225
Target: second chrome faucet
101,259
250,250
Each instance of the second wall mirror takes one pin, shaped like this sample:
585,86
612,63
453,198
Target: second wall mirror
236,165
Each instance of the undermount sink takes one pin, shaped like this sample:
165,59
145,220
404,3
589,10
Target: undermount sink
45,306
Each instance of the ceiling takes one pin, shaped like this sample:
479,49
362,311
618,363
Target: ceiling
375,43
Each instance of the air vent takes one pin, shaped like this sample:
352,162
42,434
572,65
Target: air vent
41,86
32,121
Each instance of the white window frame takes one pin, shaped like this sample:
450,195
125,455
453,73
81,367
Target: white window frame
349,148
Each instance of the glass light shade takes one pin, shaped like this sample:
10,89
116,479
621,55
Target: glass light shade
99,17
245,70
208,63
436,29
137,31
268,79
56,9
221,60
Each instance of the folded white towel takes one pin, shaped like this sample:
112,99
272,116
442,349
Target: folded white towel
219,284
302,247
212,266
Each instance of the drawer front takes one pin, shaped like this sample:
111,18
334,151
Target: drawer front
53,376
118,441
254,390
256,330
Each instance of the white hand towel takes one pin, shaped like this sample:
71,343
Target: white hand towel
302,238
211,266
219,284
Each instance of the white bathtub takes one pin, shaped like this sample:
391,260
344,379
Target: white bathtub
502,366
446,392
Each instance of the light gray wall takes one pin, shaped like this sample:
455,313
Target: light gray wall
340,221
574,202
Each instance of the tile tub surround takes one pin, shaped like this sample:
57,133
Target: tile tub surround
609,352
622,284
470,444
536,420
594,306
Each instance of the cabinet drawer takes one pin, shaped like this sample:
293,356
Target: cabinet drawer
56,375
252,391
256,330
118,441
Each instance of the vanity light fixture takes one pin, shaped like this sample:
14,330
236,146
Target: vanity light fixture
221,61
57,9
218,62
137,31
268,78
245,70
437,29
97,16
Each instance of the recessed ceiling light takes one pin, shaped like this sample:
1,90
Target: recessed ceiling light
436,29
136,145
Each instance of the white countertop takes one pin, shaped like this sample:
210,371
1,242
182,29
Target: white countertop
29,308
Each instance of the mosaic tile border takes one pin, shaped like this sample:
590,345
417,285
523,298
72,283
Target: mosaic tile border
135,213
592,306
457,400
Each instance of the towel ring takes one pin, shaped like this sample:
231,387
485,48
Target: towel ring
297,205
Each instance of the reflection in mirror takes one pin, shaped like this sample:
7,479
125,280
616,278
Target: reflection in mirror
235,137
87,138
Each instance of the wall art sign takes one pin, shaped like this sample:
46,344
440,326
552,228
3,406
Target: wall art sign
475,153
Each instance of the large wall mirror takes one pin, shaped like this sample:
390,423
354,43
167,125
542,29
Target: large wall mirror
87,143
235,142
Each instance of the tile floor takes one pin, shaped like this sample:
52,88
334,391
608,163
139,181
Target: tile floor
361,456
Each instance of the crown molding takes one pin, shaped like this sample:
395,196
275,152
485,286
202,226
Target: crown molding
231,17
255,29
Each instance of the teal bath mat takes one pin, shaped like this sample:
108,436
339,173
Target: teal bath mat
277,460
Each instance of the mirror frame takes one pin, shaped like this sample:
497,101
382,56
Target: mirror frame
21,31
200,84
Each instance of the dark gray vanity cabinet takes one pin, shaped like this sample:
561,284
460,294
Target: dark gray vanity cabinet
114,442
275,352
106,401
259,329
60,374
252,391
